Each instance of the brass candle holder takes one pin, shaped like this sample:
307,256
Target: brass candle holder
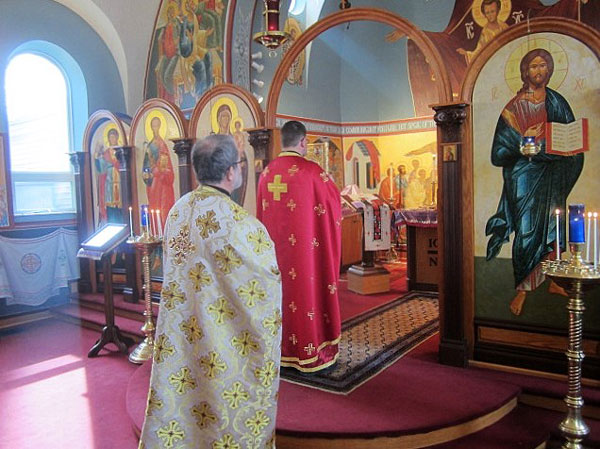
145,244
575,276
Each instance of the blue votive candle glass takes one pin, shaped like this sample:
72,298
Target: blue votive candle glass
576,223
144,214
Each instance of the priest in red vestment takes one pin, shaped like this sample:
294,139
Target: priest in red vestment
301,208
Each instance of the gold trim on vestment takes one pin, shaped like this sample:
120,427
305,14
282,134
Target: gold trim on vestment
289,153
314,368
315,358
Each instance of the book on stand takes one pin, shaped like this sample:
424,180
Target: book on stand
567,139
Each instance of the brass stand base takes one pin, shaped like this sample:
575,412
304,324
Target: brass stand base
368,280
556,442
143,352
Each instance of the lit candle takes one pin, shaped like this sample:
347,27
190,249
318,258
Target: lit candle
557,211
159,221
588,241
152,222
595,240
576,225
130,223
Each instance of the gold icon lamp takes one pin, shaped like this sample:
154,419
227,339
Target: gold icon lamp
272,37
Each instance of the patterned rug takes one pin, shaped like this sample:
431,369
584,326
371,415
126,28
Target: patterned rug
373,341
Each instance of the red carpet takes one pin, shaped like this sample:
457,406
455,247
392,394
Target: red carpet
411,396
53,396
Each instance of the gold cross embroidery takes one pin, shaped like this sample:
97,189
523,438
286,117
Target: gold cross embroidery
324,176
293,170
292,239
332,288
310,349
319,209
291,204
314,242
293,306
292,273
265,204
277,187
293,339
311,315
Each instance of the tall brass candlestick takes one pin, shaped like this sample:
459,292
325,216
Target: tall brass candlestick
575,276
145,244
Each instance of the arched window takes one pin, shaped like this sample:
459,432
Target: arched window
43,106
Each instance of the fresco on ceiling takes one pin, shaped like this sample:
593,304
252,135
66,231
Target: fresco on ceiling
400,168
228,114
186,56
473,25
296,72
545,77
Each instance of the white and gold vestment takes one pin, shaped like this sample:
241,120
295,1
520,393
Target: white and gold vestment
215,372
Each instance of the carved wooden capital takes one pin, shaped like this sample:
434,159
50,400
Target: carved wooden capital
182,147
123,155
77,160
260,139
450,115
450,119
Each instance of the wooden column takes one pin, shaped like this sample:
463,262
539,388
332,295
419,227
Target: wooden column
123,155
183,149
263,142
450,120
80,161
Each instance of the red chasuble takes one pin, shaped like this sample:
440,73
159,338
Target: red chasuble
301,208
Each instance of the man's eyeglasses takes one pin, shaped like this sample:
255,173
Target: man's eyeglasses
241,161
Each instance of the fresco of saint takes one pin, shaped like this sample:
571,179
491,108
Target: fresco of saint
534,188
157,170
108,181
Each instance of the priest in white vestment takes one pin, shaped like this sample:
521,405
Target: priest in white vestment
215,372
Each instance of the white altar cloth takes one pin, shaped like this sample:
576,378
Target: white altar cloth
34,269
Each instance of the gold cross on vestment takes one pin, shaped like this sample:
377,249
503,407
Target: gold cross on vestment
311,314
293,170
293,306
293,339
310,349
292,273
277,187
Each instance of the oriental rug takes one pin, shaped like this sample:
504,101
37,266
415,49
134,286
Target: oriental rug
373,341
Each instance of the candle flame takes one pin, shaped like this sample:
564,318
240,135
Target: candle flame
589,215
557,211
595,214
129,208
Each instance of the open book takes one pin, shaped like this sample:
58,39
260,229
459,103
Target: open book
567,139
